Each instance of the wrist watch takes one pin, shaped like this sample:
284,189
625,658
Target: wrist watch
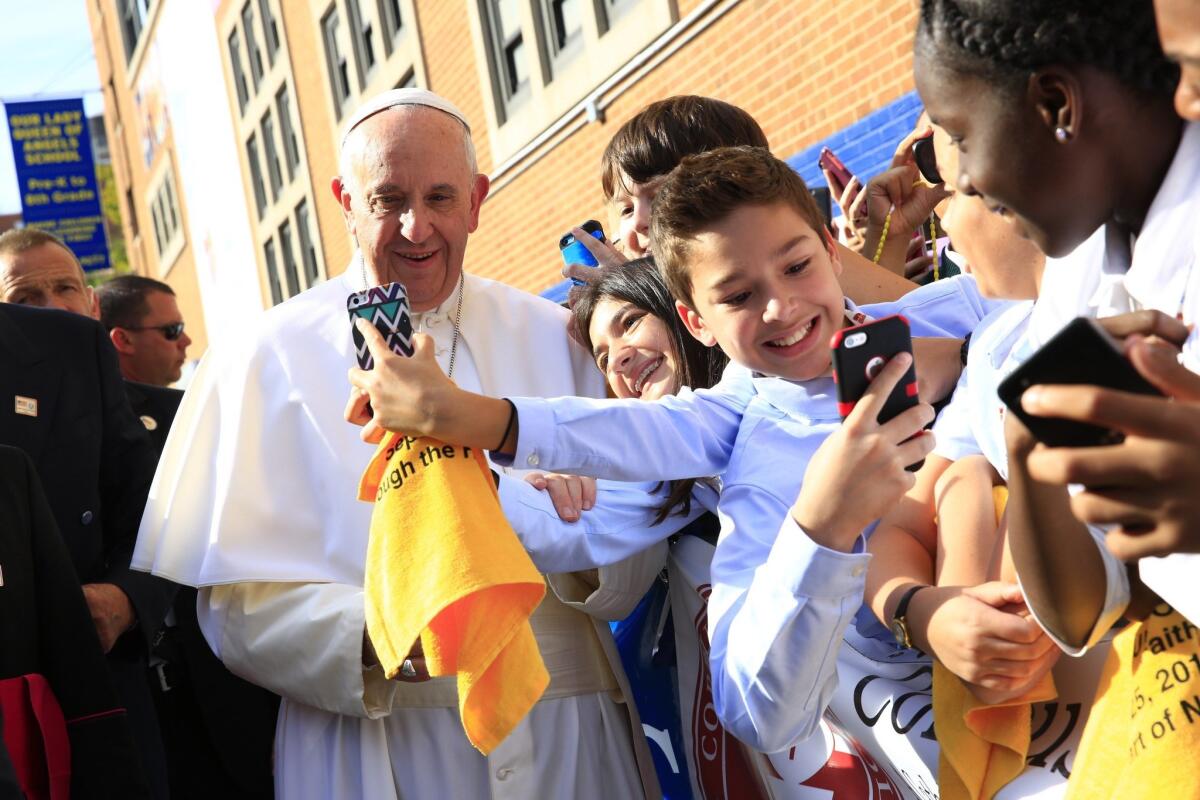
899,624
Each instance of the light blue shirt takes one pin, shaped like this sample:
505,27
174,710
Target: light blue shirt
780,603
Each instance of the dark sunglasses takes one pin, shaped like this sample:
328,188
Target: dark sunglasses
170,332
926,159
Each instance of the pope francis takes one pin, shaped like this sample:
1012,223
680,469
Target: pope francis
254,502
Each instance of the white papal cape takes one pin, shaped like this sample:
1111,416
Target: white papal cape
255,499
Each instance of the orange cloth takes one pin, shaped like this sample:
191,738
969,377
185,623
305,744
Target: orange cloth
444,565
982,747
1144,730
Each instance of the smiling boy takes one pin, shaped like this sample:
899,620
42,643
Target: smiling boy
753,271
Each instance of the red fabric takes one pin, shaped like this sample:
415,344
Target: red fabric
35,734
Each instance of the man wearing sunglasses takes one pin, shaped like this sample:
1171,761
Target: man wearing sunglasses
145,326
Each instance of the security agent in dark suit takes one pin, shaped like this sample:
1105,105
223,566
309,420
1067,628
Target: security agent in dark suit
46,629
62,401
218,730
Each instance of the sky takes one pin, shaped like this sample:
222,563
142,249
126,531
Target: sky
48,54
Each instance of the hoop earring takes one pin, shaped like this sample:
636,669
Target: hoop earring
1062,135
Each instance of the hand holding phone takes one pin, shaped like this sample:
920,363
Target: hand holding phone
856,474
1081,353
837,171
387,308
574,252
860,353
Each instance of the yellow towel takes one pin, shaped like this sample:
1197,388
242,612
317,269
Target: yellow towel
444,565
982,747
1143,734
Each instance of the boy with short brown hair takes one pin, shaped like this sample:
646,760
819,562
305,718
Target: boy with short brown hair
757,277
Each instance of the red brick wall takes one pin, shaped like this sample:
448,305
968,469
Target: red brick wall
804,70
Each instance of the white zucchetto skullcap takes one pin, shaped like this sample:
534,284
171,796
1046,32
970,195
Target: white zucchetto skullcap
402,97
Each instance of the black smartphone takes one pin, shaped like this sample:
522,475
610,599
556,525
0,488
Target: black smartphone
1081,353
824,204
574,252
387,308
860,352
926,159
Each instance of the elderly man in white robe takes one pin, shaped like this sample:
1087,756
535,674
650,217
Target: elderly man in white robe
255,502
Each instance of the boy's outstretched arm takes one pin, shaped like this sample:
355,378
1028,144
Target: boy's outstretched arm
684,436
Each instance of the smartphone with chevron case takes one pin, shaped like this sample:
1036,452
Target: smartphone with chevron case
387,308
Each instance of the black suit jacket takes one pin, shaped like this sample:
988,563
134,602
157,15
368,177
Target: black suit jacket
92,454
155,408
45,628
238,717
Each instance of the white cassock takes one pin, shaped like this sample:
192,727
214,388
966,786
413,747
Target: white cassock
255,499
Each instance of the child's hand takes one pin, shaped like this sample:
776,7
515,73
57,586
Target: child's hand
983,635
605,253
1146,485
858,473
405,394
570,494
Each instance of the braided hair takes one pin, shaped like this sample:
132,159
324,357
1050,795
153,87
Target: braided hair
1007,40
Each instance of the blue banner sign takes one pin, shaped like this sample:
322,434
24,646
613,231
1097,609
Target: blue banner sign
57,178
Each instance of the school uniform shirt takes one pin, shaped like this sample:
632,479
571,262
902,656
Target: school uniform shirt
1108,274
780,603
255,501
973,424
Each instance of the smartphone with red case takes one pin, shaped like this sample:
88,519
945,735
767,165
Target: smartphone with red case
387,308
838,171
860,352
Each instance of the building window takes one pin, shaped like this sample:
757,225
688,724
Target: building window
164,211
361,36
253,51
308,253
239,75
256,178
273,272
509,59
562,21
339,73
611,10
132,215
291,149
392,22
409,81
270,30
289,258
133,15
272,155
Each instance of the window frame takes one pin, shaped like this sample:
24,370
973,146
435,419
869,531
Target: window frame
361,30
253,53
287,131
258,186
270,26
266,126
233,46
336,66
508,99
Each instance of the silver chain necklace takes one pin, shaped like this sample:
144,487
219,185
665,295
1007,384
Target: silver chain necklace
462,276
